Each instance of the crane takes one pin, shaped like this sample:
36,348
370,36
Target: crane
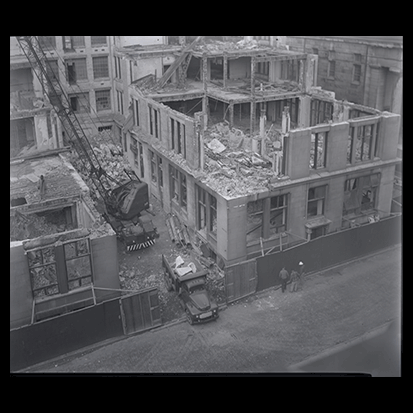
123,202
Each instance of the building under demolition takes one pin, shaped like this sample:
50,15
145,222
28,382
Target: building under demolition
59,243
236,139
231,133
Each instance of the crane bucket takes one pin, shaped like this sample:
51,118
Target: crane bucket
130,199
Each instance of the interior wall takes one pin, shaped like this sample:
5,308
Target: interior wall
239,68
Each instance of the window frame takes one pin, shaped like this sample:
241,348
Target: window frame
331,69
118,69
134,149
97,41
321,112
160,170
284,208
154,122
119,96
320,201
360,124
357,73
82,107
51,72
360,190
154,175
266,214
136,119
183,191
100,71
61,269
178,187
201,209
80,70
315,160
77,256
256,212
46,42
213,214
100,108
42,264
141,160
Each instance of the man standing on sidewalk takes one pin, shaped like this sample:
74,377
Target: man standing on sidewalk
301,273
294,281
284,278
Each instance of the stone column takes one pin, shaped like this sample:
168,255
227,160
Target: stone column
225,69
252,117
231,115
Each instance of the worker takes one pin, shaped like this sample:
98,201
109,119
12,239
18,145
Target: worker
294,281
42,187
284,278
301,274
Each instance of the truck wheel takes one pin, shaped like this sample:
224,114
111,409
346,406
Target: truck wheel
188,316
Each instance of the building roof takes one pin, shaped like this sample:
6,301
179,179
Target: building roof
61,179
387,40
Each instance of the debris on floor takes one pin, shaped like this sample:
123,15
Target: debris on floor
232,168
111,158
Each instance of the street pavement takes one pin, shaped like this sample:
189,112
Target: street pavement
266,332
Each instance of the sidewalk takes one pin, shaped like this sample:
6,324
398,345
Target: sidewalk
264,332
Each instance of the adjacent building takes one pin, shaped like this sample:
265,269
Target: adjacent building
33,122
362,69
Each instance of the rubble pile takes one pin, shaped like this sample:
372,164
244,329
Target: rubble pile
215,284
231,167
32,226
220,46
111,159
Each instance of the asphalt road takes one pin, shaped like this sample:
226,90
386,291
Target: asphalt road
265,333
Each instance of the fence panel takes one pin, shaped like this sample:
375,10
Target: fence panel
140,311
240,280
69,332
329,250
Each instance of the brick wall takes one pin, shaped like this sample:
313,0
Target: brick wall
343,54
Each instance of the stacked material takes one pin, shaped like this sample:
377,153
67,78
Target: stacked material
177,231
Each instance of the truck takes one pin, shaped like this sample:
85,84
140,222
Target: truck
190,283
